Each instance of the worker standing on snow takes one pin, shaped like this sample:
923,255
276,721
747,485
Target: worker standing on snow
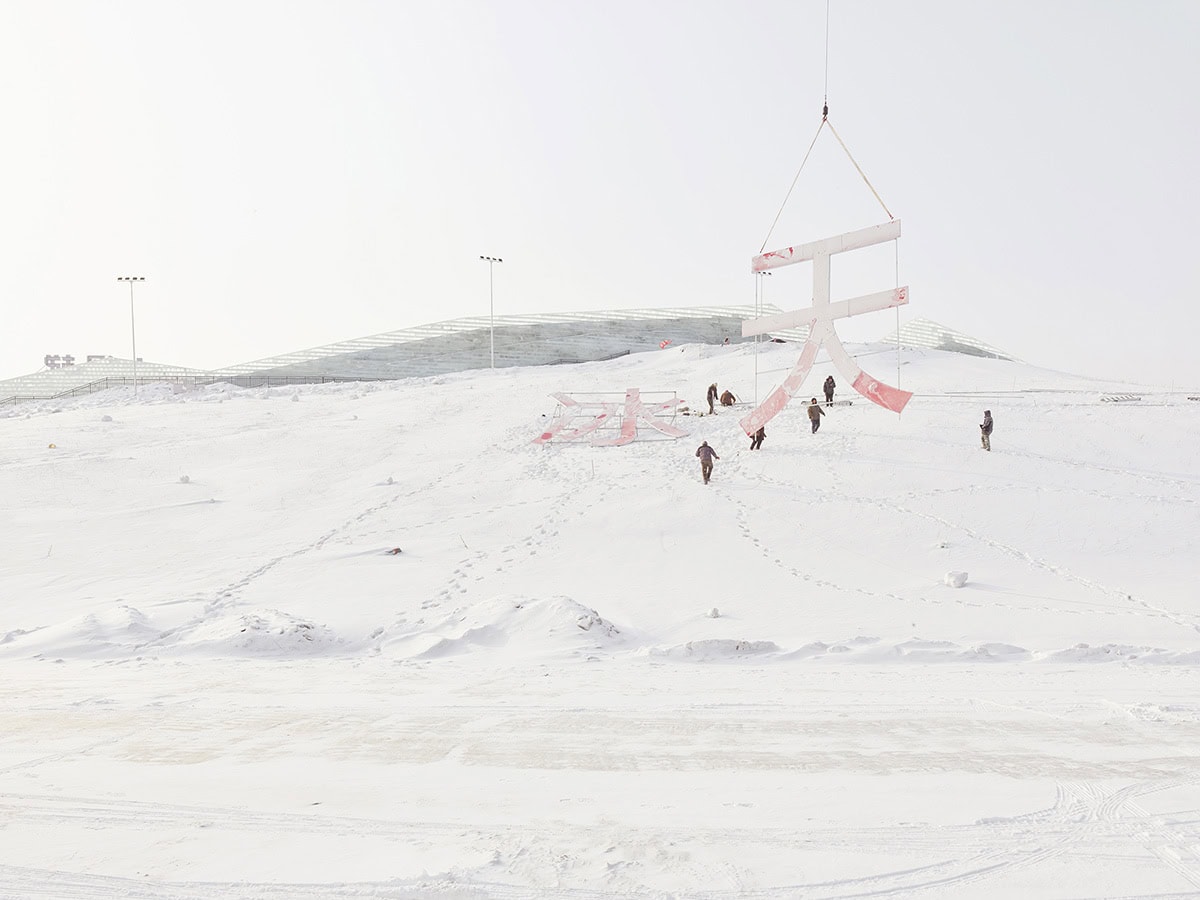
985,430
830,384
756,439
712,396
814,414
706,454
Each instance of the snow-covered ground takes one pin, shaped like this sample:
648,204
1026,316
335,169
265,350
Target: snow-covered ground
587,673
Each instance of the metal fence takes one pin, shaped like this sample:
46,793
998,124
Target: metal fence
245,381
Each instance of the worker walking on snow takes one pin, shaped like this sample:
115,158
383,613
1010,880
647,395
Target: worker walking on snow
985,430
706,454
814,414
756,439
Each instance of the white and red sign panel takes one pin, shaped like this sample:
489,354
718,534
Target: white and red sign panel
820,318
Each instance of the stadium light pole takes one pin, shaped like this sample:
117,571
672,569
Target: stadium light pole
491,261
132,327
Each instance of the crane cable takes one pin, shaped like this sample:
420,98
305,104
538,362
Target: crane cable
866,180
826,96
793,187
824,121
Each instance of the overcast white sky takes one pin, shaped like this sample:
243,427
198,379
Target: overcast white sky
289,174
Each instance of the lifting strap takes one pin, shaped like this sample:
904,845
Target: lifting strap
824,121
857,166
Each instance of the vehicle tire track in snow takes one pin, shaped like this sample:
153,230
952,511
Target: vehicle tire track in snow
1172,848
1062,823
990,850
54,809
23,883
61,755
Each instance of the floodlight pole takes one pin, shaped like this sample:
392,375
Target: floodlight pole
132,327
491,261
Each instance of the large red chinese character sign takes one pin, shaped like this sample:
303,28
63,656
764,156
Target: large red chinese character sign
820,316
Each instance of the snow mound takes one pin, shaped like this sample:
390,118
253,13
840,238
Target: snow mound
808,651
267,632
998,652
519,624
112,632
954,579
1124,653
716,649
917,650
864,649
1170,713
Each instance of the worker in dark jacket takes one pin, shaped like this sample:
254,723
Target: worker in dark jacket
727,399
830,384
707,454
814,414
985,430
712,396
756,439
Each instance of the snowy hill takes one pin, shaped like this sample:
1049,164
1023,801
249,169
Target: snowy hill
211,653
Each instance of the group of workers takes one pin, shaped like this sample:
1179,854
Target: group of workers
707,454
726,399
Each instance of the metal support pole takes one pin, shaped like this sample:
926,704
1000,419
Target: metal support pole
896,244
758,298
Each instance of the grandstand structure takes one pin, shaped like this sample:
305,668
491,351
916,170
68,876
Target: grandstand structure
524,340
923,333
461,344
